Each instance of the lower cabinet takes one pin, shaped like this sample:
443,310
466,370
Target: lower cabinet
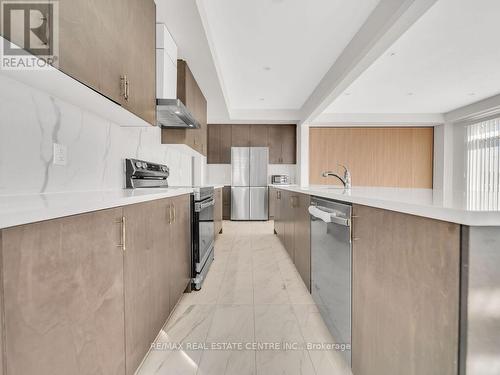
292,225
180,259
63,296
405,294
226,203
302,238
147,276
87,294
218,211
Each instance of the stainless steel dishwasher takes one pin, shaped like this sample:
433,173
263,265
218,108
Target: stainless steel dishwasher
331,267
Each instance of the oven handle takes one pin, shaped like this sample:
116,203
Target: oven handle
199,206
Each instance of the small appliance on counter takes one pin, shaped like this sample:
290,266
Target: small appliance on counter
280,179
143,174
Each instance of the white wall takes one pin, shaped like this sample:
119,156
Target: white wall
31,121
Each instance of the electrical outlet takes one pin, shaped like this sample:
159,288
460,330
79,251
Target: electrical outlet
60,154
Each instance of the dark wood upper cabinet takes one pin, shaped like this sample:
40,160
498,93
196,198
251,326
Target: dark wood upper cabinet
219,144
282,144
141,58
288,144
93,50
240,135
192,97
258,135
281,140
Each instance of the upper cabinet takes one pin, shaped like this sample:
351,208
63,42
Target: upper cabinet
93,50
281,140
109,46
192,97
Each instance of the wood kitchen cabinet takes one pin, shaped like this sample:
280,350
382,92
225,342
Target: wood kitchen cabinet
88,294
226,203
94,51
281,140
192,97
405,294
240,135
218,211
272,202
302,237
259,135
180,240
292,225
63,296
219,144
282,144
146,274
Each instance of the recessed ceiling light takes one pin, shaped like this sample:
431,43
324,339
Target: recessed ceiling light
392,54
410,94
472,94
261,99
268,68
347,93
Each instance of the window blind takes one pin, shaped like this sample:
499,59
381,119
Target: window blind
483,165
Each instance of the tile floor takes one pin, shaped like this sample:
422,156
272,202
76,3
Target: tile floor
252,294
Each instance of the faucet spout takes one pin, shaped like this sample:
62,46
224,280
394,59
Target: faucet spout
346,180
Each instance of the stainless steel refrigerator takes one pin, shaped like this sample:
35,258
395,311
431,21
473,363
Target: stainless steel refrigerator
249,198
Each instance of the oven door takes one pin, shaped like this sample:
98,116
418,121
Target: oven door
204,212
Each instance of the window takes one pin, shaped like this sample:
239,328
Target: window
483,165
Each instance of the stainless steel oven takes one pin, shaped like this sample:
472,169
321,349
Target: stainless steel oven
203,233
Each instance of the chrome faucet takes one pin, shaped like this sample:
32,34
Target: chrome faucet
346,180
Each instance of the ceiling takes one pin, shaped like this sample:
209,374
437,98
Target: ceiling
271,54
449,58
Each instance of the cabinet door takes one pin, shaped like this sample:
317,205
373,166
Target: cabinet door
91,45
63,296
180,260
289,144
139,30
274,144
213,147
272,202
226,203
302,238
290,224
225,144
146,276
258,135
218,211
240,135
405,294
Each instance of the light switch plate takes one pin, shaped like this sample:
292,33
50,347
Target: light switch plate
60,154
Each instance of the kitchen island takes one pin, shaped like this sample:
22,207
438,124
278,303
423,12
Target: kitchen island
425,275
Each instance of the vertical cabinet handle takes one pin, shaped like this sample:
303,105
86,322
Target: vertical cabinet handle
123,245
124,84
173,206
170,214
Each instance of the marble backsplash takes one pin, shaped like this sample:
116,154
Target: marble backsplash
31,121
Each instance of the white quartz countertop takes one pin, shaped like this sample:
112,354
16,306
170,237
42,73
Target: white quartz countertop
24,209
455,207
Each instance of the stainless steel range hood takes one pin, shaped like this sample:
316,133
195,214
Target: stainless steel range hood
173,114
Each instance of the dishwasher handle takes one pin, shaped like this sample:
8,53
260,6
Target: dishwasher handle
329,216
